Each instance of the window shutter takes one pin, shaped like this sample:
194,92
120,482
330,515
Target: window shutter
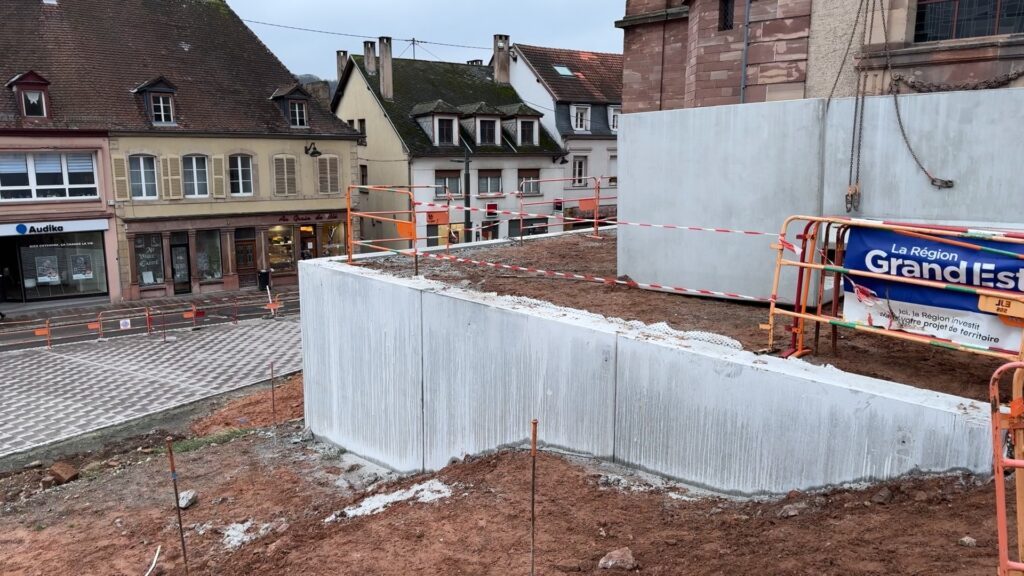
289,164
121,189
323,175
165,177
280,177
175,191
218,176
329,175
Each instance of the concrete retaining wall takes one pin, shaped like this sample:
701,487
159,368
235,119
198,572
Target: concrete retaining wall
411,373
750,166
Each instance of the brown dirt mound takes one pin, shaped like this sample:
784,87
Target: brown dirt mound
256,410
112,523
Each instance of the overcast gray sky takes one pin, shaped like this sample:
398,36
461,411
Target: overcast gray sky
582,24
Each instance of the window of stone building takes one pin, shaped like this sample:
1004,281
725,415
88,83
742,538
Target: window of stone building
142,175
240,174
726,12
194,168
950,19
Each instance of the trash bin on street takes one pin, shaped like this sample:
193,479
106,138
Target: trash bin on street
263,280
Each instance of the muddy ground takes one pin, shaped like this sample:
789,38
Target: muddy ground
264,495
958,373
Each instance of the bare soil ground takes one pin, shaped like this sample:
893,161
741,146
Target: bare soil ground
958,373
112,520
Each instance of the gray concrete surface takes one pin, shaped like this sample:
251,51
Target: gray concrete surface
450,372
743,167
47,396
750,166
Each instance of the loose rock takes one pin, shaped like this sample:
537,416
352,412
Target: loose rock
883,496
621,559
967,542
790,510
567,566
187,498
92,467
34,464
63,472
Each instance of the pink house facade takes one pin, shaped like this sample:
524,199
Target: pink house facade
57,229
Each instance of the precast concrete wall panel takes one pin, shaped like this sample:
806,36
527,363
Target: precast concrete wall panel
736,422
362,350
745,167
491,366
970,137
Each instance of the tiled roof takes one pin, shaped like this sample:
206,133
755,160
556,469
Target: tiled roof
433,107
419,84
596,77
480,109
95,52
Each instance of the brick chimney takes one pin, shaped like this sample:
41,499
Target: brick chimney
342,56
370,56
387,89
502,58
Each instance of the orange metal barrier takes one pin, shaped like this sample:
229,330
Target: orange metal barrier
814,267
22,333
1008,425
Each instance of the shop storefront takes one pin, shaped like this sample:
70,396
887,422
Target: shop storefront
53,259
197,255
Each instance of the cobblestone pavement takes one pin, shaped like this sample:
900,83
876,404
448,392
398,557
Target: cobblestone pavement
51,395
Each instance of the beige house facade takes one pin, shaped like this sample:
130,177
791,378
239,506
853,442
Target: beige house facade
210,224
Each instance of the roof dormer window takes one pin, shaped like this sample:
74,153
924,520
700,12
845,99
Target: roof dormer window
162,107
30,90
297,114
34,103
445,131
487,132
158,96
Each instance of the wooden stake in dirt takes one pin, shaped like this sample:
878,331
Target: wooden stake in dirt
533,493
174,482
273,400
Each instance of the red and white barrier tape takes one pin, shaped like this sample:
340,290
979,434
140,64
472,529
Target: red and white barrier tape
587,277
602,221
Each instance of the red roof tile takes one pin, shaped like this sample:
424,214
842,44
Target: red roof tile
596,76
94,52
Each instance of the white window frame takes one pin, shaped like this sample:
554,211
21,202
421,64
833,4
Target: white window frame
529,186
579,176
497,131
437,131
146,188
185,169
298,114
574,111
536,132
153,99
490,181
252,176
34,187
24,104
439,191
614,112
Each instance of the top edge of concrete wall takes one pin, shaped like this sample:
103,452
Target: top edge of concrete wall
662,335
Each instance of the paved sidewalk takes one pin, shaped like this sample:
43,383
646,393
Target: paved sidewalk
51,395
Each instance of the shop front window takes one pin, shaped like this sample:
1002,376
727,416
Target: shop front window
149,259
332,239
62,265
208,259
281,248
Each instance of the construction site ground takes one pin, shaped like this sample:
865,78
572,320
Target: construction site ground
275,501
928,367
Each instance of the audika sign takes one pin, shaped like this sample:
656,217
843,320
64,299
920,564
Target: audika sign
946,314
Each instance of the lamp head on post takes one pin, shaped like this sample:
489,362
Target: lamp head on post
311,150
560,160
